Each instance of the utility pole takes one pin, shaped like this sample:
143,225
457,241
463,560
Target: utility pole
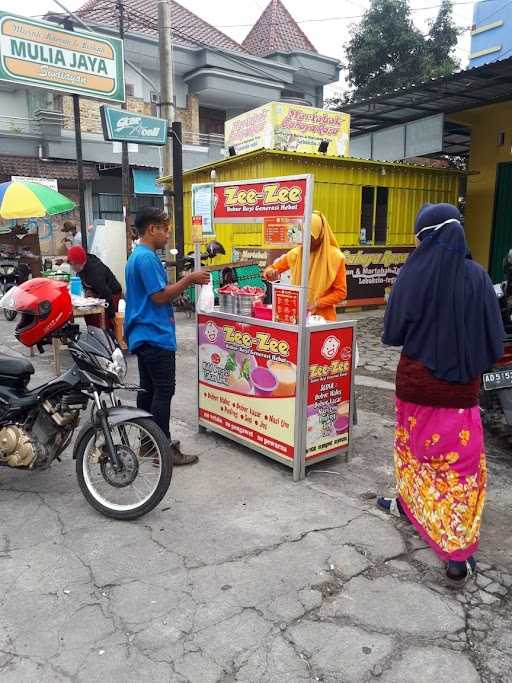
177,178
125,161
166,95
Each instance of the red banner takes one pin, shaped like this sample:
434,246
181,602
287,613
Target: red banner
248,200
328,411
247,382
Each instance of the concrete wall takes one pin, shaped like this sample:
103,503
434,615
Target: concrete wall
486,124
491,37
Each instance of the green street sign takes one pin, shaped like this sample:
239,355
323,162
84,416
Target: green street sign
39,54
120,125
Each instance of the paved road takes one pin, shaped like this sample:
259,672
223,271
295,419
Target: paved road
242,575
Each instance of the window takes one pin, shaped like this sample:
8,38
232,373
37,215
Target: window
374,215
129,90
110,206
381,215
211,121
367,202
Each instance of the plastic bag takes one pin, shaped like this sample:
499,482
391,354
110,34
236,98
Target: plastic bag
314,320
206,299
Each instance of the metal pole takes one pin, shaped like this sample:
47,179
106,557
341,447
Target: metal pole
177,175
125,160
299,460
166,94
80,169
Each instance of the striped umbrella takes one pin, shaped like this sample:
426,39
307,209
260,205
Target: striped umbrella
20,199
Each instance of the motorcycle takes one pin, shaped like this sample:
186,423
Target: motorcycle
123,460
496,397
12,273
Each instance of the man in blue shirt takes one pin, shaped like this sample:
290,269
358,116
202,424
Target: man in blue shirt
149,320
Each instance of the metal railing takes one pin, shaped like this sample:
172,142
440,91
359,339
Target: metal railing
203,139
18,125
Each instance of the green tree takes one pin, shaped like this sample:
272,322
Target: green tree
441,41
386,51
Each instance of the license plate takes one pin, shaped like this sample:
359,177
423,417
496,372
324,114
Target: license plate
501,379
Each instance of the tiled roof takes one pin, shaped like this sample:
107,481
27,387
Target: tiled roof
31,167
142,17
276,31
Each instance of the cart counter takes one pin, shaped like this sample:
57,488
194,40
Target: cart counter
282,390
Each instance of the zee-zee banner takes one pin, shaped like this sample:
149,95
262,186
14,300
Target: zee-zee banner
258,200
328,407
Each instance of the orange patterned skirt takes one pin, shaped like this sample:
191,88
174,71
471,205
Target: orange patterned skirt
441,475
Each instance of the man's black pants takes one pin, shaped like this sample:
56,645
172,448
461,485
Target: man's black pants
157,376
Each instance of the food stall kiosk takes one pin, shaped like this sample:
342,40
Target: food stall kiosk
280,386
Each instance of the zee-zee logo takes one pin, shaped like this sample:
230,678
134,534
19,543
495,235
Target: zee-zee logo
211,331
330,347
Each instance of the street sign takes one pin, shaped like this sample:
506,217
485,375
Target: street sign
47,182
120,125
39,54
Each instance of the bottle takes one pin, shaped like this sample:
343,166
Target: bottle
75,286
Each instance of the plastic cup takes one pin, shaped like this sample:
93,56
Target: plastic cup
264,381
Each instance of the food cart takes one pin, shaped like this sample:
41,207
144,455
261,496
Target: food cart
283,389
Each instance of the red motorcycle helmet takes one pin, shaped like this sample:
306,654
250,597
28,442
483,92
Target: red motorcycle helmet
45,306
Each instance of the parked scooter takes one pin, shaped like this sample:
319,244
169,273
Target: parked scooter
123,462
12,273
496,398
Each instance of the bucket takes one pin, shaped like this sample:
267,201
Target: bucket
245,303
227,303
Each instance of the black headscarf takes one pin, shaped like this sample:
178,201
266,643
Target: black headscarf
443,308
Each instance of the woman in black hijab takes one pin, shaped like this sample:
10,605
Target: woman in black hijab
444,313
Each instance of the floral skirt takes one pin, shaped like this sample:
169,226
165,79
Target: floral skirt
441,475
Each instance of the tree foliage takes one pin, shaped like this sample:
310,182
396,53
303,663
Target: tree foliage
386,51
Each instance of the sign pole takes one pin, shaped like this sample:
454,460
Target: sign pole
80,169
68,25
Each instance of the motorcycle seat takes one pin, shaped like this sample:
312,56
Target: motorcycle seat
15,367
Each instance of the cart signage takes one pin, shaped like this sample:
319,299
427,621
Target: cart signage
258,200
328,408
202,205
286,303
37,53
247,382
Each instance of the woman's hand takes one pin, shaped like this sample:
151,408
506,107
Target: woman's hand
270,274
312,307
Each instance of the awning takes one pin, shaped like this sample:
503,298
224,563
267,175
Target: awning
144,181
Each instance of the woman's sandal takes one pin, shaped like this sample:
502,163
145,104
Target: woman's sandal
391,506
459,573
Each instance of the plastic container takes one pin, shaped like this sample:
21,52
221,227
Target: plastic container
75,286
262,311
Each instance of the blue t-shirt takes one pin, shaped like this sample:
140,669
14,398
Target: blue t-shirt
145,321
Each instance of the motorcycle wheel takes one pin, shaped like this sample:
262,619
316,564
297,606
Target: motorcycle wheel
146,476
10,315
